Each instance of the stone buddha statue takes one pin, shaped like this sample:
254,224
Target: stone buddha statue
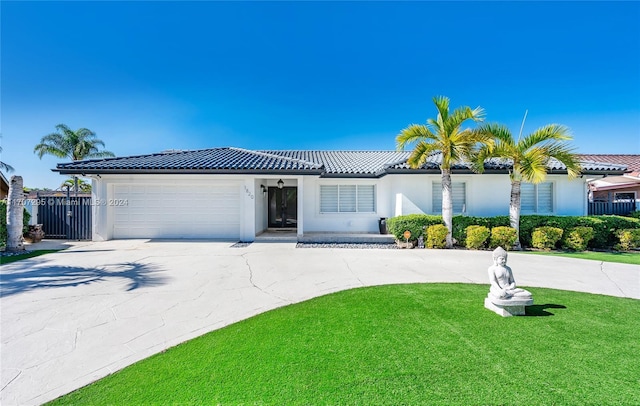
503,286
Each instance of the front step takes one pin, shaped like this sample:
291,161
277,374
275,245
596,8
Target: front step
340,238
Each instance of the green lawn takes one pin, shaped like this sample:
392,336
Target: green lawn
620,257
399,344
30,254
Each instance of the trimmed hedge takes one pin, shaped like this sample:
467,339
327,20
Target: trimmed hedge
629,239
577,238
415,223
546,238
477,237
502,236
461,223
436,236
604,227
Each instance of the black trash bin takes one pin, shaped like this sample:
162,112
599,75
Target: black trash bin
382,225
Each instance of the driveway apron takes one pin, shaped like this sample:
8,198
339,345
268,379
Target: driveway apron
72,317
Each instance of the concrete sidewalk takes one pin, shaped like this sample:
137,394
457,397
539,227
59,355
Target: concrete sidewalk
75,316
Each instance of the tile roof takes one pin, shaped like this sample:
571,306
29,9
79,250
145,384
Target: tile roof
214,159
632,162
349,162
325,163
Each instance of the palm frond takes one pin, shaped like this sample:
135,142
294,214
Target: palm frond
413,134
563,153
532,166
6,167
547,133
442,105
76,145
420,154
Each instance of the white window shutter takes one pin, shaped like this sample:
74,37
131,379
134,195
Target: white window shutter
527,198
347,198
458,196
436,196
366,199
545,197
328,198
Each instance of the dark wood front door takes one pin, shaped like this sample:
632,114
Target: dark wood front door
283,207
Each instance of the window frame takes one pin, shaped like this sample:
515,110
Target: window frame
356,202
616,199
437,209
536,209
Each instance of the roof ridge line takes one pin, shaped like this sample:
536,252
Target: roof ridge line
266,154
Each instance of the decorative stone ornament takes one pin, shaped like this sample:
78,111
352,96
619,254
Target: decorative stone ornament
504,297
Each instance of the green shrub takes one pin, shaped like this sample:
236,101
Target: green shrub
635,214
577,238
502,236
615,223
546,238
436,236
628,239
604,227
477,237
460,224
26,216
415,223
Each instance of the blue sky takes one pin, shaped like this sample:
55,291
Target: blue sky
150,76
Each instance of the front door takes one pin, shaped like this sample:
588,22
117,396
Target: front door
283,207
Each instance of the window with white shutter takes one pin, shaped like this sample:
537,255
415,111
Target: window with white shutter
536,198
458,194
347,199
329,198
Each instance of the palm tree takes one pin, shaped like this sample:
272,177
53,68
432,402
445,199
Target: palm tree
76,145
446,135
529,155
83,186
15,213
4,166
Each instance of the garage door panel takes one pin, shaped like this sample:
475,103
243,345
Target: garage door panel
177,211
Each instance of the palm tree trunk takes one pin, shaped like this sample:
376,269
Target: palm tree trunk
514,211
447,205
15,208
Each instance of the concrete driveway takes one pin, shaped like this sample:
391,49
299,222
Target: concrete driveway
75,316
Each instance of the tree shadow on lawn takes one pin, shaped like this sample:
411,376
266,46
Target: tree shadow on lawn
540,310
25,280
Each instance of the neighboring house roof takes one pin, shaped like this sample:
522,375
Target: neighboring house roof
324,163
632,162
615,183
4,186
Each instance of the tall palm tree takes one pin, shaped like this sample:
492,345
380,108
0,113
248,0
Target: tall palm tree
75,145
446,135
529,156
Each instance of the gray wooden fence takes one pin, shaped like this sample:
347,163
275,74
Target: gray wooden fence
610,207
65,218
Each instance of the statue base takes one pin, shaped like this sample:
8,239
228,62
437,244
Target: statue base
507,307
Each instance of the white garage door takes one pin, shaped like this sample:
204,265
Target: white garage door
176,211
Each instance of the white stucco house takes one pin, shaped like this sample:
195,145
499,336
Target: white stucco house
235,193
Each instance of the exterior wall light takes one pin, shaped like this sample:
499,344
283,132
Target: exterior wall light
280,184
